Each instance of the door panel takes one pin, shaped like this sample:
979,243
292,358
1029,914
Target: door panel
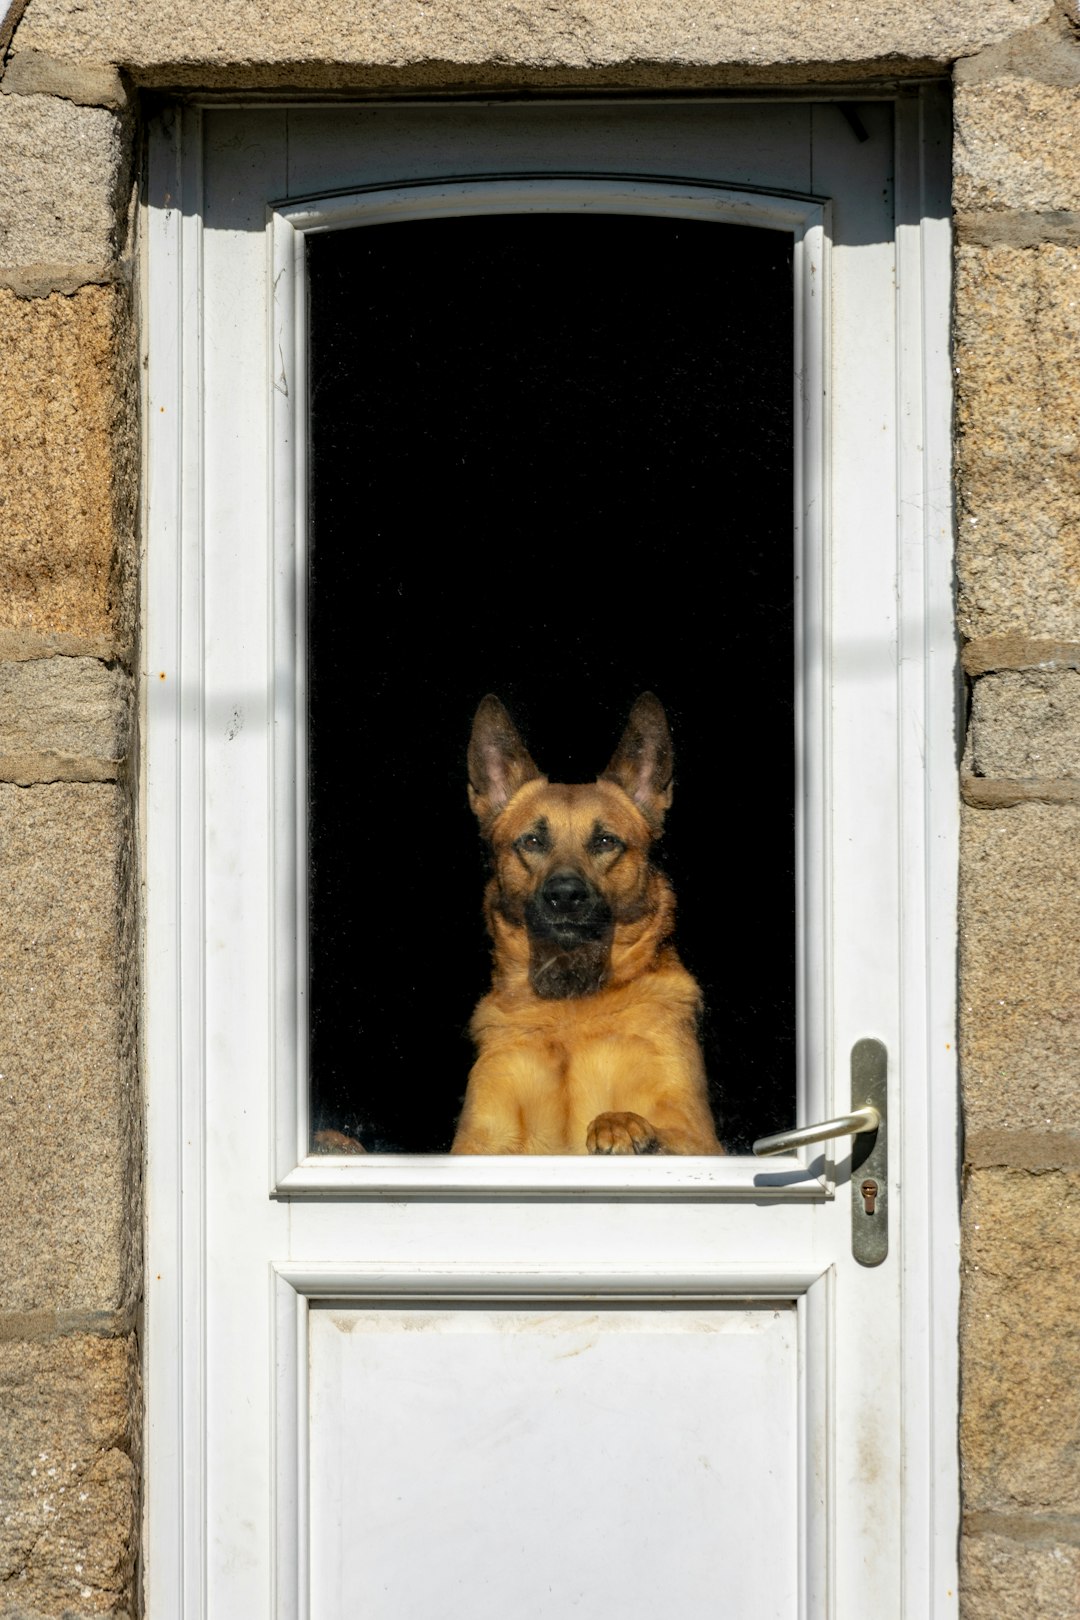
411,1382
571,1459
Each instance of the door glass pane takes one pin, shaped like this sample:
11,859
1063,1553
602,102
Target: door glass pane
551,458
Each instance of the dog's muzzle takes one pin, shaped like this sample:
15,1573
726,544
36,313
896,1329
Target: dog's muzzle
567,909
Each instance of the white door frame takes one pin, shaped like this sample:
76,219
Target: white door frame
179,714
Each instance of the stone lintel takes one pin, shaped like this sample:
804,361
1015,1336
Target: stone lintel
158,35
322,80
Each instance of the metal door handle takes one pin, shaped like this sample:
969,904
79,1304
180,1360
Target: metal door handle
870,1189
853,1124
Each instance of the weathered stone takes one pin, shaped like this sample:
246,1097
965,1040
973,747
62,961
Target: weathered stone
1047,52
1026,724
1018,324
63,714
1016,111
88,84
999,793
68,1492
1018,227
992,653
161,42
68,1106
1006,1579
11,16
1020,1342
1016,145
1018,414
1022,1150
1020,967
68,445
61,182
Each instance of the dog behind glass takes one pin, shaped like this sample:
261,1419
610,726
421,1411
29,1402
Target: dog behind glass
587,1040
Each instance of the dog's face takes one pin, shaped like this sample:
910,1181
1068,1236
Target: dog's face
572,872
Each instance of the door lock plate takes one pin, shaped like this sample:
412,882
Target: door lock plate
870,1155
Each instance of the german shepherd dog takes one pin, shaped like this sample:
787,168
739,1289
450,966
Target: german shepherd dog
587,1041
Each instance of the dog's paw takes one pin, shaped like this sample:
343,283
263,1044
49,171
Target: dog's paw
621,1133
335,1142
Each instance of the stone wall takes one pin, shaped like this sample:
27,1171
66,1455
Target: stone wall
70,1267
70,1171
1017,200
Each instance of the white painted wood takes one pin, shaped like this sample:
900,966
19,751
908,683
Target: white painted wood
234,1261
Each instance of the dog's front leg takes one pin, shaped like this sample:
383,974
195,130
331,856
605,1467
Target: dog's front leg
513,1103
491,1121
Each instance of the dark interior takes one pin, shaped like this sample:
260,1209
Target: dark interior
551,457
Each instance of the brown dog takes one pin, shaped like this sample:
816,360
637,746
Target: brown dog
587,1041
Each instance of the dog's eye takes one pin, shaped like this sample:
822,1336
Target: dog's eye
606,843
530,841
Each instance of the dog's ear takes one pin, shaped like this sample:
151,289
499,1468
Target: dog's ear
642,764
499,762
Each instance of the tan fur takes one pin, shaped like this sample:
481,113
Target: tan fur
618,1068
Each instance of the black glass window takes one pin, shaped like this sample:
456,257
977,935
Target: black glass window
551,458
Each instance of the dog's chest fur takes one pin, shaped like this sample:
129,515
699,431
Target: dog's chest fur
565,1062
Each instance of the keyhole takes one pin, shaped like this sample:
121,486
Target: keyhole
869,1190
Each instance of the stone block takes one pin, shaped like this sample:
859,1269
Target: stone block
68,443
1020,967
62,183
1006,1579
1018,453
68,1104
1016,146
160,42
61,716
1017,326
1026,724
1020,1342
1016,110
68,1488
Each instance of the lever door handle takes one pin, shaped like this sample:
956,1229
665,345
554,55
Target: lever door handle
853,1124
869,1159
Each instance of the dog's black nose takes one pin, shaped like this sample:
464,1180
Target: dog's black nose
565,894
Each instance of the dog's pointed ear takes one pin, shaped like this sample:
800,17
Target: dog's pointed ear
499,762
642,764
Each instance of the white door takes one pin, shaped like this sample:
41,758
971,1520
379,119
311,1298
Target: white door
402,1384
